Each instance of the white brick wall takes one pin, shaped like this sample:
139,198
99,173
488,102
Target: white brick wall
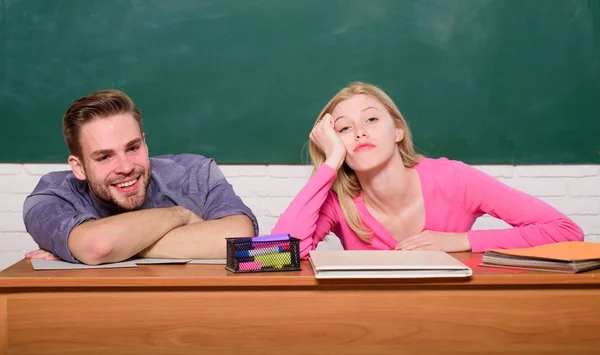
267,190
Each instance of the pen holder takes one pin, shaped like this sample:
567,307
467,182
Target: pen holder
279,252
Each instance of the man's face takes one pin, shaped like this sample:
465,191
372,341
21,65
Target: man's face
114,161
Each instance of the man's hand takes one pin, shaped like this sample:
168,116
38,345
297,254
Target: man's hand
41,254
430,240
193,218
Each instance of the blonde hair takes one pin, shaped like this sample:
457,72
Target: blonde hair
346,184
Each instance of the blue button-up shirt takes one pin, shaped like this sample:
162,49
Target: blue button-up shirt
61,202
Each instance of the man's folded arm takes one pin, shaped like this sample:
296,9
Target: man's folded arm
122,236
224,215
200,240
57,226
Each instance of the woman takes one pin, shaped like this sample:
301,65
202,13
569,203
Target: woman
374,192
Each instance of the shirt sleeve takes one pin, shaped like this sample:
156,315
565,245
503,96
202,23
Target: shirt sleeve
534,222
221,200
49,219
311,215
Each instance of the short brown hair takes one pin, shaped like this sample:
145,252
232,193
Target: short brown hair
100,104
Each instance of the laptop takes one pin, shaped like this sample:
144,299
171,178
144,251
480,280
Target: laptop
364,264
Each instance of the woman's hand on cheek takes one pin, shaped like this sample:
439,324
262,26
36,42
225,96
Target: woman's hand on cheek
325,138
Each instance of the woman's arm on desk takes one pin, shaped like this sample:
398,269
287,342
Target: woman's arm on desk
534,221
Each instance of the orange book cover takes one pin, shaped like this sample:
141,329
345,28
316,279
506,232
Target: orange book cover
563,251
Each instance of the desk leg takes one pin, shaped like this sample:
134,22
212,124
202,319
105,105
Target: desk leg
3,327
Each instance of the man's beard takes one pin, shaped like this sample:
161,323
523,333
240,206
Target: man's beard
102,192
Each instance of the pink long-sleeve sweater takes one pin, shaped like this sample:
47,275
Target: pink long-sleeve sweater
455,195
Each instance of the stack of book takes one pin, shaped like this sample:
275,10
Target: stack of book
566,257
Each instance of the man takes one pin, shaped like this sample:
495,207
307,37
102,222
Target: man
116,202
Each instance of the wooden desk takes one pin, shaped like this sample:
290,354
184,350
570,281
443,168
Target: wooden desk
204,309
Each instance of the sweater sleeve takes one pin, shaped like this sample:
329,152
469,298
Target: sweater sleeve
534,222
311,215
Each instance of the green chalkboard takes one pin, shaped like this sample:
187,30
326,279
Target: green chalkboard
484,81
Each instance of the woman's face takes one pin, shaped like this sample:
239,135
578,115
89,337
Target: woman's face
367,131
